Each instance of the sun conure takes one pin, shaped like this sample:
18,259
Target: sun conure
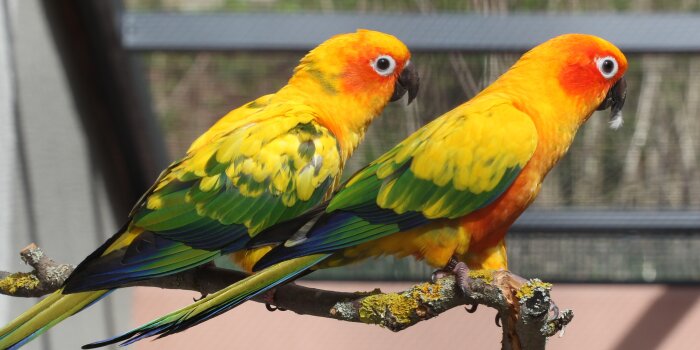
449,192
264,163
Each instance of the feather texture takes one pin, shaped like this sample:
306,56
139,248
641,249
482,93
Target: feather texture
268,162
454,187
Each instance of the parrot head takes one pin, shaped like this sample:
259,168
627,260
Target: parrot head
368,65
579,71
351,78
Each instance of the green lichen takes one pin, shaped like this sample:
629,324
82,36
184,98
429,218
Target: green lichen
20,280
403,307
374,308
528,289
485,275
427,292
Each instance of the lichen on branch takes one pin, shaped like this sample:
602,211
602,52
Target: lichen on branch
47,276
397,311
12,283
524,306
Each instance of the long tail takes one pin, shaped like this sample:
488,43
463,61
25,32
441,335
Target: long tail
44,315
217,303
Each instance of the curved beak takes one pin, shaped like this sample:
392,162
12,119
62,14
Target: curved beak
614,100
408,81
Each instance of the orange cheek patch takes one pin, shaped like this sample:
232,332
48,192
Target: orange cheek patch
362,82
579,81
581,78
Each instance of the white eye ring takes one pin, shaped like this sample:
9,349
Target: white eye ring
607,66
384,65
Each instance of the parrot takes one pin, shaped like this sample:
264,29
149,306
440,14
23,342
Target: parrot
448,193
264,163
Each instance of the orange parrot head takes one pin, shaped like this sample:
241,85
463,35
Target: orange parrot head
370,66
582,72
350,78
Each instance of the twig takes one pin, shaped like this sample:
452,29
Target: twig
47,277
523,306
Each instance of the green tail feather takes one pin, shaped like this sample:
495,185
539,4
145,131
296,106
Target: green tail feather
44,315
219,302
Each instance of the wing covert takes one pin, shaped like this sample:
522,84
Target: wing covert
243,181
453,166
232,184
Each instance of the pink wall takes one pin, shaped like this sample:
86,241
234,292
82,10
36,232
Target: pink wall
606,317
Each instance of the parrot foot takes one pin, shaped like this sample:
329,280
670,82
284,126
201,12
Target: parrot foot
445,271
269,298
205,266
460,271
438,274
272,308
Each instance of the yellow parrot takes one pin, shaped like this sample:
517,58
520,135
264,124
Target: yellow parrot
449,192
264,163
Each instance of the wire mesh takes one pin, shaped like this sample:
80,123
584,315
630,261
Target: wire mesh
650,164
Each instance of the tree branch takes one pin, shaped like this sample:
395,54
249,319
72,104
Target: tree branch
47,277
523,306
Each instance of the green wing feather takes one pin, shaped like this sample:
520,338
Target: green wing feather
392,194
233,183
254,176
459,163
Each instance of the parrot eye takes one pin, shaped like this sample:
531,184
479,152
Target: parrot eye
384,65
607,66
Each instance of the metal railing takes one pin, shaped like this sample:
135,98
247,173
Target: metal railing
632,32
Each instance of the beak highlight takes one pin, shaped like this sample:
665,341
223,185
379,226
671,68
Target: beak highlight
614,100
408,81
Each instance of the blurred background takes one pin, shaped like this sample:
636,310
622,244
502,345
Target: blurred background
96,97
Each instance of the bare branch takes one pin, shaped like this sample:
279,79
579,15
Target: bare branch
47,277
523,306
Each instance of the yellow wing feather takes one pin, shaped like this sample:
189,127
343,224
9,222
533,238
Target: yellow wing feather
474,146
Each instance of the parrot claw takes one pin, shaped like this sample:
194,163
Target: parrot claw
553,312
204,295
438,274
461,272
498,320
457,269
445,271
272,308
472,308
269,298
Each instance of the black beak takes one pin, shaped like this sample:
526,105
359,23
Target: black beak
614,100
408,81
